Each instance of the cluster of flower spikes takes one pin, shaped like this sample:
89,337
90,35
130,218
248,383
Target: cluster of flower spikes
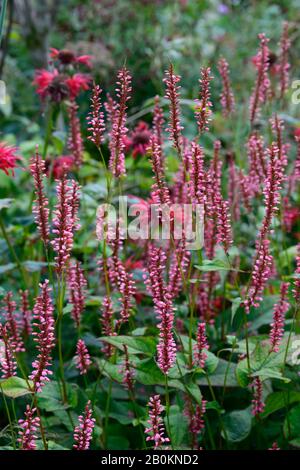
156,426
83,432
77,291
82,358
28,427
118,125
65,221
8,363
162,299
44,336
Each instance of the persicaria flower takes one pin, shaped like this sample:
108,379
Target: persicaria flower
118,125
158,119
83,432
260,275
179,265
126,370
8,157
96,118
27,434
40,208
227,98
156,428
43,336
75,144
63,224
174,128
82,358
279,311
201,345
196,419
284,66
224,232
257,400
296,288
13,323
8,364
257,159
203,105
77,291
106,321
262,85
197,183
160,192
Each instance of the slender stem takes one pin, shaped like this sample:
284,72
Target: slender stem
9,420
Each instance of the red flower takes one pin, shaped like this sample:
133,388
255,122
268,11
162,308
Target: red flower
77,83
61,165
43,78
8,157
138,140
84,60
297,133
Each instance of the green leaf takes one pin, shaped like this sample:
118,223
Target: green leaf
136,345
237,425
49,399
277,400
15,387
291,427
235,306
7,267
178,426
213,265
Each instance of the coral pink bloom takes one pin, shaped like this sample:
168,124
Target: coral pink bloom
8,363
77,83
8,157
257,401
43,78
277,326
82,358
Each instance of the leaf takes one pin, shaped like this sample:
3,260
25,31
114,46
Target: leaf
7,267
213,265
291,427
136,345
235,306
35,266
237,425
178,426
217,379
50,399
277,400
5,203
15,387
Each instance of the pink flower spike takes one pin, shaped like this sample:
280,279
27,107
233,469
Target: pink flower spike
262,86
203,104
83,432
75,144
44,336
106,321
158,120
227,98
118,126
284,65
96,118
173,95
40,209
277,326
127,372
26,313
28,427
156,428
82,358
77,291
201,346
8,364
13,323
257,400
